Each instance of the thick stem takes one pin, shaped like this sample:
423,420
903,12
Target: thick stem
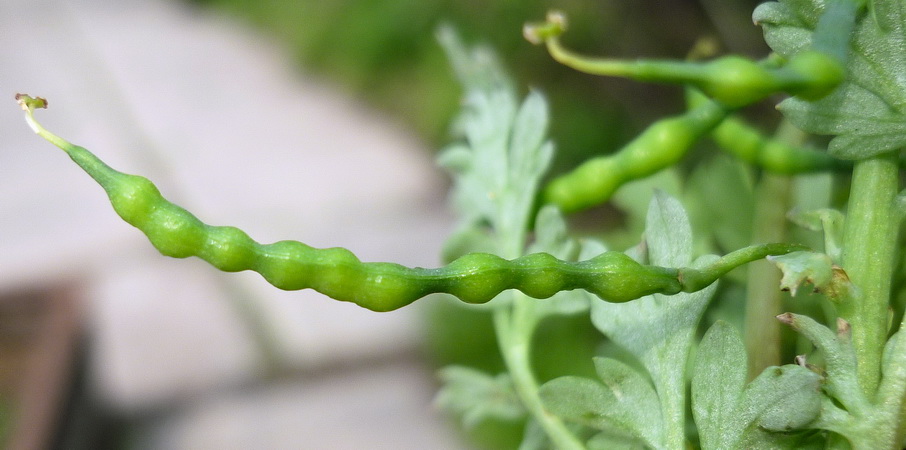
515,327
763,298
868,258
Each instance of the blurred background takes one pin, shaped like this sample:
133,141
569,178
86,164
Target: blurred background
304,120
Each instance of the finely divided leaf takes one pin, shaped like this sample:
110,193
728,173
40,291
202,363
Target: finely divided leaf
718,380
828,220
839,358
623,403
530,151
668,233
659,329
867,113
476,68
645,325
607,441
781,399
719,195
804,268
636,396
812,268
551,235
499,166
475,396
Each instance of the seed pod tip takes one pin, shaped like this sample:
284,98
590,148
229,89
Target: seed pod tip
29,103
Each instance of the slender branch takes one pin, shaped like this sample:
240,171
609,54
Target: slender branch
763,298
763,301
514,327
697,279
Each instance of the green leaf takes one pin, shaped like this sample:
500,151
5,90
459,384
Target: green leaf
624,403
828,220
782,398
802,440
534,437
722,192
635,395
641,325
659,330
839,356
668,233
633,199
885,13
477,68
499,165
551,235
803,267
867,112
530,150
475,396
607,441
813,268
718,380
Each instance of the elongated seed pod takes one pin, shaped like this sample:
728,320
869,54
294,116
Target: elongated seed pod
660,145
742,140
337,273
732,80
379,286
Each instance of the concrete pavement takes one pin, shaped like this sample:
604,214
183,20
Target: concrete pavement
218,117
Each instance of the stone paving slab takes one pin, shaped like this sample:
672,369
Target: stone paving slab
217,117
304,416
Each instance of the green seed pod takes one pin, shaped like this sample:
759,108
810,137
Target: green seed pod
733,81
338,273
813,75
740,139
661,145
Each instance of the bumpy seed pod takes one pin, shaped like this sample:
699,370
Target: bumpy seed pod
740,139
337,273
661,145
733,81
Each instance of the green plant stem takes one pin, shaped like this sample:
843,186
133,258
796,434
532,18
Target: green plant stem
763,298
870,236
693,280
515,327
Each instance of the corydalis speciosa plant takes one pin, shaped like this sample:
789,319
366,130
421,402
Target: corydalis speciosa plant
841,62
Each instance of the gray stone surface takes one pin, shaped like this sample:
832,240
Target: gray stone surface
306,416
219,119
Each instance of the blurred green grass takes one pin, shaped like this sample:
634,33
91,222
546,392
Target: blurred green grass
385,53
